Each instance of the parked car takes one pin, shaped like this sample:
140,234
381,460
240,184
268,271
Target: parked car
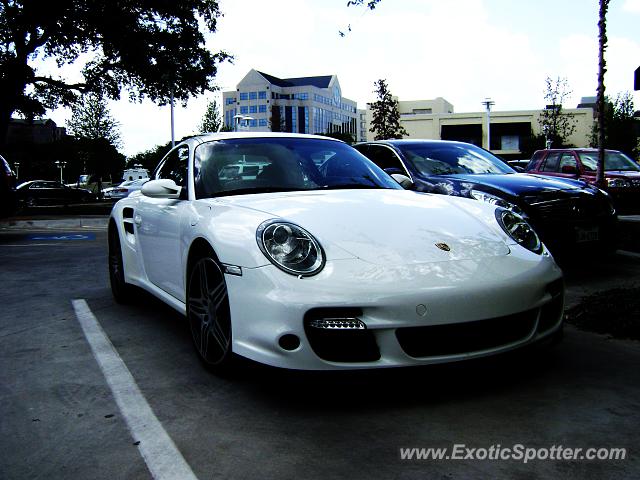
49,192
519,165
565,213
621,173
7,189
124,189
327,268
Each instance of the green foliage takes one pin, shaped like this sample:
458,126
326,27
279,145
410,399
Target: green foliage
212,119
554,123
371,4
620,126
386,116
150,158
91,119
153,49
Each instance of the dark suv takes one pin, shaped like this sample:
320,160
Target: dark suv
7,189
621,173
567,214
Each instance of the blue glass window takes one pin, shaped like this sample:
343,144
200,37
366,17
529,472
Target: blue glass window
262,108
230,101
253,109
253,123
253,95
262,95
262,122
244,96
244,110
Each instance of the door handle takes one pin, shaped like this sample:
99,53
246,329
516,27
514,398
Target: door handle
137,220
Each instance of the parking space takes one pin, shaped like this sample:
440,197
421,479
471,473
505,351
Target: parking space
61,418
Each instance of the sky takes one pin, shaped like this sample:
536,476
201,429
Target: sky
461,50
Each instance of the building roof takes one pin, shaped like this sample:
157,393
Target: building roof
319,81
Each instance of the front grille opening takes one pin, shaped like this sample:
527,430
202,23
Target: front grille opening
467,337
338,335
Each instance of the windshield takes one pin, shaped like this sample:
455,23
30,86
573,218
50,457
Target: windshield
452,159
255,165
612,161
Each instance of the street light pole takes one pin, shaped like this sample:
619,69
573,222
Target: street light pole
61,164
17,165
488,103
173,138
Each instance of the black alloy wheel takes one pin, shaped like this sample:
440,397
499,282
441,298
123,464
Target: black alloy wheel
209,314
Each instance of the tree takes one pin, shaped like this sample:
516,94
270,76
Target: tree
386,116
97,136
91,119
154,49
602,46
554,123
619,125
212,119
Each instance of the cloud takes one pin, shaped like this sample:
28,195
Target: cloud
631,6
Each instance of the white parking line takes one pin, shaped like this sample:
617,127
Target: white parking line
161,455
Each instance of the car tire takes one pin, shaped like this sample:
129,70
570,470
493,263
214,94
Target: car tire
122,291
209,315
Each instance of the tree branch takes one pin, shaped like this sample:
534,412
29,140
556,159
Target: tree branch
82,87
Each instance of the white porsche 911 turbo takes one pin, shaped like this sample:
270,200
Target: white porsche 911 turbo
296,251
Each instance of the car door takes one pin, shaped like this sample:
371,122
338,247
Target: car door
158,225
567,166
550,165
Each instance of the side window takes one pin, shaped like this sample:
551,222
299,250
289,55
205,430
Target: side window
569,161
384,157
174,166
551,163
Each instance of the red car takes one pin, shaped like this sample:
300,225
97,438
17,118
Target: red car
621,173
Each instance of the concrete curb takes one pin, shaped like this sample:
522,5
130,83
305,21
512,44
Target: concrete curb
94,223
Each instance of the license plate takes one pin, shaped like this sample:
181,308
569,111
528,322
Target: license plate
591,234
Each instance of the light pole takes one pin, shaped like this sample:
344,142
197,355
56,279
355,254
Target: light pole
61,164
17,165
488,103
173,137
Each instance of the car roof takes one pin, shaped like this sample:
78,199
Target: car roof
410,141
208,137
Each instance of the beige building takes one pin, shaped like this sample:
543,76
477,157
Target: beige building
262,103
435,119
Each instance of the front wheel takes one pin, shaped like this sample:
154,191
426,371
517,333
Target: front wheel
121,290
209,315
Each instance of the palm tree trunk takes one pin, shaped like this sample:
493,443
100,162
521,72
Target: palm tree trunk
602,37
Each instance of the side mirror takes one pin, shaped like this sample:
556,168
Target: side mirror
569,169
163,188
404,181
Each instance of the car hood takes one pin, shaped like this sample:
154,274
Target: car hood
629,175
514,184
386,227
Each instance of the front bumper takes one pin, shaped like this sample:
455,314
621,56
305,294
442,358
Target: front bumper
414,314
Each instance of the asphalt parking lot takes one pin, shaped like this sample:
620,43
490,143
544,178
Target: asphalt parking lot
60,418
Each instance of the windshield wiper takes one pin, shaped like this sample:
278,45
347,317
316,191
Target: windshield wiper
347,186
247,191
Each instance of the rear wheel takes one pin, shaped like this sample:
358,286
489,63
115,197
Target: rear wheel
121,290
209,315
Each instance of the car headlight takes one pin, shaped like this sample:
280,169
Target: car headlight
617,183
290,247
497,201
519,230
